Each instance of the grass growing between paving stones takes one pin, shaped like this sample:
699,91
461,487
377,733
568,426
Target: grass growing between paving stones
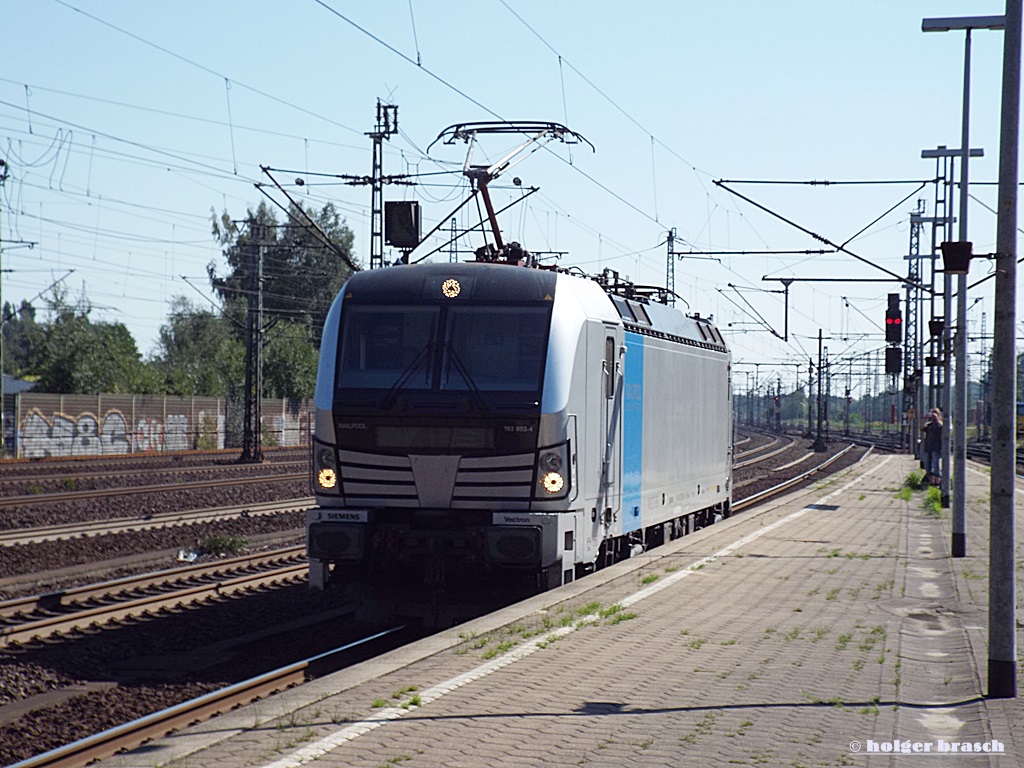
615,615
703,728
414,701
872,708
395,761
916,481
493,644
933,502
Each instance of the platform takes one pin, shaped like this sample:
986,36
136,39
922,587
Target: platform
828,628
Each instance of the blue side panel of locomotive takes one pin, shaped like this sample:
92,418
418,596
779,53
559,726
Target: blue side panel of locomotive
633,433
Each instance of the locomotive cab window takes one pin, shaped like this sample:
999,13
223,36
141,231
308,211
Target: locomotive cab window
382,344
494,348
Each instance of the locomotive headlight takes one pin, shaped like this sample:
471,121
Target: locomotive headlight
326,478
553,482
552,472
325,469
550,462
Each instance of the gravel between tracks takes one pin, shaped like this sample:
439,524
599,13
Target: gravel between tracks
141,505
133,655
93,550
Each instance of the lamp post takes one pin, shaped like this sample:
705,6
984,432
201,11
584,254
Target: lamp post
959,404
1002,640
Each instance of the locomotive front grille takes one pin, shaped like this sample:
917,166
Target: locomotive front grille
380,480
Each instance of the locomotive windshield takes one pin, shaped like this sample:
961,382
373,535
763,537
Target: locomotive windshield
381,345
477,348
494,348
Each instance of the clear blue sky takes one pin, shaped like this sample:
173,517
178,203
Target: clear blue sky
125,122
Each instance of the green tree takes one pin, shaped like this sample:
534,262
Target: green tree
289,362
83,357
23,339
301,273
198,353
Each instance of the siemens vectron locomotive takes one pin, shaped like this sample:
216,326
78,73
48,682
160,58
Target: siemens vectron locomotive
483,423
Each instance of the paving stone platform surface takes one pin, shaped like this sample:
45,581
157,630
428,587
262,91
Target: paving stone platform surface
829,628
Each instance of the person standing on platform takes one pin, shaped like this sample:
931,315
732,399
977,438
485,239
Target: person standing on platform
931,446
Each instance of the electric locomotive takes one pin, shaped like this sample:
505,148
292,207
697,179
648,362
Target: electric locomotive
485,423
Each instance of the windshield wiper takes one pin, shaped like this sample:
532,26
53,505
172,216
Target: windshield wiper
474,390
392,394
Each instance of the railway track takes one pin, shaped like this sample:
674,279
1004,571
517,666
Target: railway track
785,485
22,536
70,479
43,616
764,452
54,498
134,733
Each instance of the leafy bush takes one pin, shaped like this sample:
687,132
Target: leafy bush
221,544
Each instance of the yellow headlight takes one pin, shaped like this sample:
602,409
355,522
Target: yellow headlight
450,288
327,478
553,482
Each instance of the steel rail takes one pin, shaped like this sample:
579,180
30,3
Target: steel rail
756,459
124,524
53,498
756,448
76,474
52,625
756,498
158,724
70,598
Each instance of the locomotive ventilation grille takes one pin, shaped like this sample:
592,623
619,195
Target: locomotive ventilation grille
377,480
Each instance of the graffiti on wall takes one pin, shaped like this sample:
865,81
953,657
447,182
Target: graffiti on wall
287,431
87,435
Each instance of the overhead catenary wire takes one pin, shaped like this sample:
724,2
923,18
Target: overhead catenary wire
203,67
313,227
821,238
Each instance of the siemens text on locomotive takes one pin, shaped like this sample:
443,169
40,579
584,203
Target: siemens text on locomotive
482,423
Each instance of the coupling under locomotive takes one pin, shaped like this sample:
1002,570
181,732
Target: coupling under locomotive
482,423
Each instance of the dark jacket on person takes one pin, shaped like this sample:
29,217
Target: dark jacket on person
932,442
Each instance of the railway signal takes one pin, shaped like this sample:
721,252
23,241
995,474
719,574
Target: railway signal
893,360
894,320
